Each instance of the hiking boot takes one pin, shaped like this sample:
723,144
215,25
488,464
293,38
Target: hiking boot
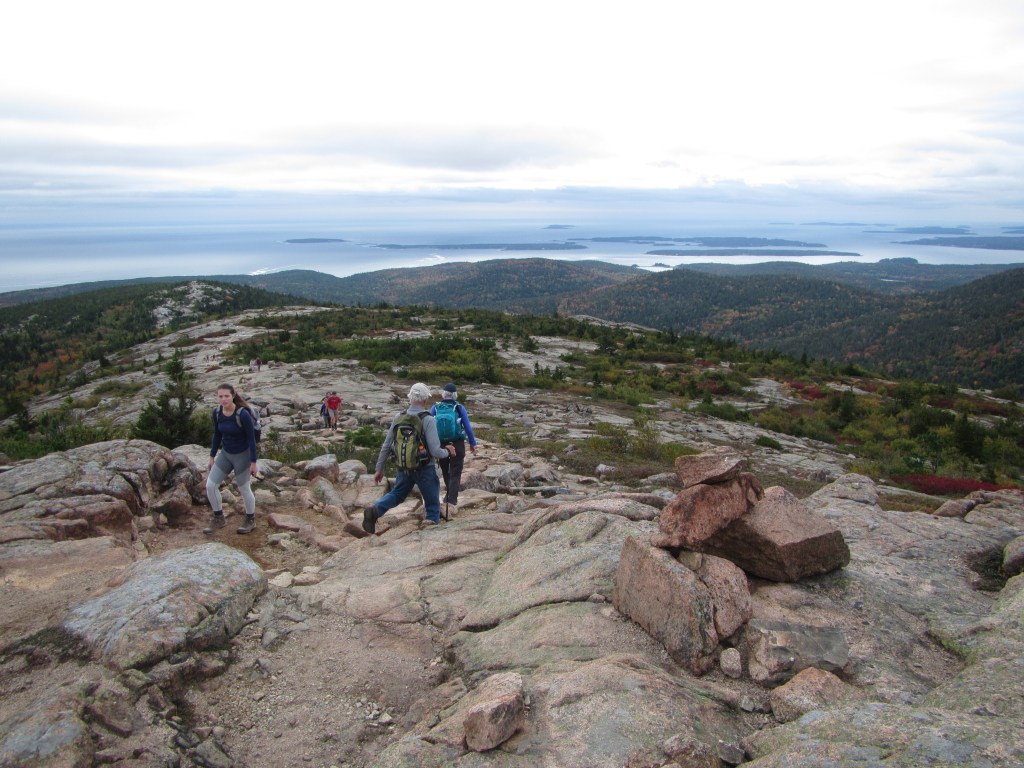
428,523
218,521
370,519
248,525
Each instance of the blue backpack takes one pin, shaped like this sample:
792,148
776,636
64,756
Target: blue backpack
449,426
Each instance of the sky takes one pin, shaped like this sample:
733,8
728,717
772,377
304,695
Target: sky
150,107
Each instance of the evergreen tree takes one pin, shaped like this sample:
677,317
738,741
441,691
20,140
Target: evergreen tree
167,420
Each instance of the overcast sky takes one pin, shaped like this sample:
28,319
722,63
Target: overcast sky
877,99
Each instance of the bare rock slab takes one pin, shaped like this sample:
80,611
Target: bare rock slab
669,601
563,561
781,539
185,599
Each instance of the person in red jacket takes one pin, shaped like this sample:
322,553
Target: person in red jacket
333,403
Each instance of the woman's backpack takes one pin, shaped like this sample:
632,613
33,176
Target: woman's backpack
449,426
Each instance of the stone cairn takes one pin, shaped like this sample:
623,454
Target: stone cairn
687,584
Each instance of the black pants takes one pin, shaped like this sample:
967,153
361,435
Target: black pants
451,471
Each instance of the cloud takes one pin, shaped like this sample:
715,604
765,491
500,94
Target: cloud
915,98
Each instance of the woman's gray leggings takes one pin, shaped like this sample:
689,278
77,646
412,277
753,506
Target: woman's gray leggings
222,467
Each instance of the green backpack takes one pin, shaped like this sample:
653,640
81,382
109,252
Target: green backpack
410,449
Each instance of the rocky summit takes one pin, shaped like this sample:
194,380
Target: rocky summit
704,617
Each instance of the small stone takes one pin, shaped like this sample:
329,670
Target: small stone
731,663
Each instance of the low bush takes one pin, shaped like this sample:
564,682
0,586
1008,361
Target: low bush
946,486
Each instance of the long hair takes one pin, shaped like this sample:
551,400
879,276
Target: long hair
236,398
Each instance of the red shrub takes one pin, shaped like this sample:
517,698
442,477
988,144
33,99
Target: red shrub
947,486
812,393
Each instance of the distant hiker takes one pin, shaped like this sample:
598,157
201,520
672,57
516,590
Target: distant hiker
233,449
323,411
453,428
333,403
252,365
259,364
414,445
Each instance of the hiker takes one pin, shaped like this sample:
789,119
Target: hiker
423,475
333,403
233,449
453,428
323,411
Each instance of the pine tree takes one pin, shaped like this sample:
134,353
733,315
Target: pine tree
168,419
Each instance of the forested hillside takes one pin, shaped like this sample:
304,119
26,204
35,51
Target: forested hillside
513,285
766,310
903,275
44,342
972,335
888,316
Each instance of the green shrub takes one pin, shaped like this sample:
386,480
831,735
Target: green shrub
726,411
768,442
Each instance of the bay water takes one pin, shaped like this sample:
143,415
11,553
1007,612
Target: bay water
41,256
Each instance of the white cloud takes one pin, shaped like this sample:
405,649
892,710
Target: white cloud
917,96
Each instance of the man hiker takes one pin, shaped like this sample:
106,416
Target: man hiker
414,444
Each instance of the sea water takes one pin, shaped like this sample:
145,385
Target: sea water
35,257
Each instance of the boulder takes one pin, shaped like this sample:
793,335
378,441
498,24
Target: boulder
325,466
781,539
777,650
103,485
955,508
810,689
669,601
185,599
1013,557
499,712
730,593
699,511
175,504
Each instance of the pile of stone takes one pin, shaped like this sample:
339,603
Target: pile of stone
687,585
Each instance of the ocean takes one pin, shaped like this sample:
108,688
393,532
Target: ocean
35,257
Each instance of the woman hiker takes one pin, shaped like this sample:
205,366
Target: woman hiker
233,449
453,428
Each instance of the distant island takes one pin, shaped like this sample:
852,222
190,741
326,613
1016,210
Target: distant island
489,247
995,243
745,252
710,242
559,226
305,240
922,231
834,224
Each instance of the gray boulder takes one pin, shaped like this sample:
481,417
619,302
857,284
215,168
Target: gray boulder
187,599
